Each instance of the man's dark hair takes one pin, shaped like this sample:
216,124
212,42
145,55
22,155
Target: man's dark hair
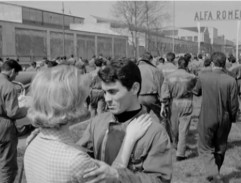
123,70
161,60
170,57
52,64
219,59
147,56
200,56
34,64
46,62
232,59
188,57
11,64
98,62
182,63
207,62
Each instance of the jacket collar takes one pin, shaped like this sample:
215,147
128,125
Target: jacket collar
113,120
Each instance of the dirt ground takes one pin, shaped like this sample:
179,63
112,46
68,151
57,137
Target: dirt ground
192,170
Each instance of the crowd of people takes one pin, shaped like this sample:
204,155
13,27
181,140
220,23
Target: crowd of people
138,111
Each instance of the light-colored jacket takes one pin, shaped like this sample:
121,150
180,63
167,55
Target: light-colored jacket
151,159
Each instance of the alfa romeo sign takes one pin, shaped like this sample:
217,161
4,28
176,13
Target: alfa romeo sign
218,15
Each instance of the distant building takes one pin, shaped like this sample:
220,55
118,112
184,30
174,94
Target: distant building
209,39
31,34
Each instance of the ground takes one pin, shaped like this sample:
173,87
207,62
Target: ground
190,170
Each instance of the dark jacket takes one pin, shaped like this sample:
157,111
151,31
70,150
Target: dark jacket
219,97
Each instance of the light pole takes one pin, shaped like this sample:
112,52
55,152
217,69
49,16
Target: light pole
173,37
63,30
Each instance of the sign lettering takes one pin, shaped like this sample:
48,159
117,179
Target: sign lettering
218,15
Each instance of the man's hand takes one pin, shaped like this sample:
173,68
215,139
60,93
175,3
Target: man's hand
103,173
137,128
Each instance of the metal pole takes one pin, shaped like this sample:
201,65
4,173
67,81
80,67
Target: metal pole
199,37
173,37
237,41
63,30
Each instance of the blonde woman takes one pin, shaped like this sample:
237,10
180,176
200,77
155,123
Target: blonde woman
58,97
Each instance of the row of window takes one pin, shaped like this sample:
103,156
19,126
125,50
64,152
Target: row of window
39,17
190,38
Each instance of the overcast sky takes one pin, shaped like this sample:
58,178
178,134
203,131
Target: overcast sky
184,11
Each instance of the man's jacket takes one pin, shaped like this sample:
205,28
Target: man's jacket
151,159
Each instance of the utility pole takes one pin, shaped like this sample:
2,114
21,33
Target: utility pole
173,38
135,33
63,30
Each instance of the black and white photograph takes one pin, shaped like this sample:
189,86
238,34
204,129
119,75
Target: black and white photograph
120,91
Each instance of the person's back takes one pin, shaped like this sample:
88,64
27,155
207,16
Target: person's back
181,83
169,67
177,97
53,157
151,78
216,87
218,111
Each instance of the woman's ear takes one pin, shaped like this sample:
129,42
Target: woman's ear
135,88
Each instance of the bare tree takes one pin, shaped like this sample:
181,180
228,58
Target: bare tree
130,13
140,16
154,17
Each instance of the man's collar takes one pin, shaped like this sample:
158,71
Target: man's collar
113,120
5,75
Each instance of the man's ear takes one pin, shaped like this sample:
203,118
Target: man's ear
135,88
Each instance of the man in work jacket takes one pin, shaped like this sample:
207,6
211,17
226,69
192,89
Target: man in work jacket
9,113
218,111
177,94
151,159
152,80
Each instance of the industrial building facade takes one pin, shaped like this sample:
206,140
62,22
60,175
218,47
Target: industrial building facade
30,34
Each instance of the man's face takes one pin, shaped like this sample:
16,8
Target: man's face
118,98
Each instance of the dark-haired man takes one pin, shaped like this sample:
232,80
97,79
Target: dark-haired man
151,160
9,113
177,95
169,66
218,111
